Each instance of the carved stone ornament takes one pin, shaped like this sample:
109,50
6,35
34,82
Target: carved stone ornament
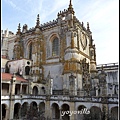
17,51
83,40
102,77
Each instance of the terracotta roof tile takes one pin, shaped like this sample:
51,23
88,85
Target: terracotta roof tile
4,57
8,76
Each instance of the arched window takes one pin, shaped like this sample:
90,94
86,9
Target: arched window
35,90
3,111
55,47
27,70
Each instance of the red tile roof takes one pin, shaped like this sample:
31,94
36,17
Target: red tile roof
8,76
4,57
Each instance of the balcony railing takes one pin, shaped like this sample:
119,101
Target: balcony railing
95,99
109,66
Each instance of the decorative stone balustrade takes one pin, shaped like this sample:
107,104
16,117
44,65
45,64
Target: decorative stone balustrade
65,98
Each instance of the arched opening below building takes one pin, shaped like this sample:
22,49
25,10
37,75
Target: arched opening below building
24,109
35,90
3,111
95,113
114,113
32,112
80,114
33,105
17,111
65,108
42,109
55,111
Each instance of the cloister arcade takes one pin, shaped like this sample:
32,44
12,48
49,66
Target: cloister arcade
34,109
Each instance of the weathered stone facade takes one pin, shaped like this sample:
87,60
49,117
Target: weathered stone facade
58,60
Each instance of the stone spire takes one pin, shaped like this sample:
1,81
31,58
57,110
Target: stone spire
49,84
49,76
70,7
88,28
19,30
38,22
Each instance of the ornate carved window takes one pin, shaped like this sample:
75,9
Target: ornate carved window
55,47
27,70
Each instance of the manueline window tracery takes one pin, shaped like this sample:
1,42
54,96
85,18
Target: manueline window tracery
55,47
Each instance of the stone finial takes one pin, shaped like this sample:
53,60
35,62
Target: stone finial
58,13
102,67
88,28
6,32
19,30
91,41
70,7
49,76
82,24
38,22
25,27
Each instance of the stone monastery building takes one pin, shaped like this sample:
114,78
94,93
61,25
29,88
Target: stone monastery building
51,68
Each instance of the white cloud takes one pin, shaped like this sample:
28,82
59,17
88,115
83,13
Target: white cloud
14,6
51,10
102,16
103,19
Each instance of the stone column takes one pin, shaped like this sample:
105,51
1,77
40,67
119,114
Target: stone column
105,111
51,112
38,108
97,90
72,108
19,113
47,109
11,110
7,114
12,97
28,107
101,90
60,113
109,113
21,88
9,88
27,89
113,92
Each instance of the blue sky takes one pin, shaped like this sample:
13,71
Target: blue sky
102,15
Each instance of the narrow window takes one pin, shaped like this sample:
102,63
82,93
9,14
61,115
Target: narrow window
27,70
55,47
